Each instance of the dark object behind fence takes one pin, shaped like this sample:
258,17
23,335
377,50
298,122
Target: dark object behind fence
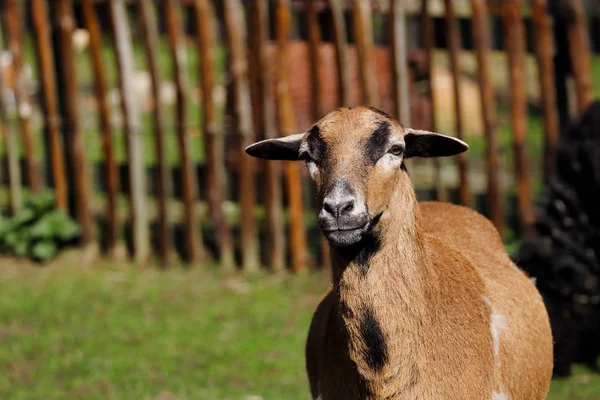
564,255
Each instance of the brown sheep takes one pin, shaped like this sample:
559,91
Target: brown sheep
425,301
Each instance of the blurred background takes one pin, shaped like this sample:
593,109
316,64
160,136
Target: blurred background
143,255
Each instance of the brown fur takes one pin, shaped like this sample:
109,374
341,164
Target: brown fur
426,287
427,304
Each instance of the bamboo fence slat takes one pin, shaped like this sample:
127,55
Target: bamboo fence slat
12,147
213,131
514,35
315,62
399,53
363,32
454,52
544,46
317,84
429,50
132,127
13,19
149,31
45,60
298,246
341,51
481,35
236,35
101,92
80,198
579,46
263,107
188,175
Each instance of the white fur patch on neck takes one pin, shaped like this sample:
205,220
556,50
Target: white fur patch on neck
497,325
499,396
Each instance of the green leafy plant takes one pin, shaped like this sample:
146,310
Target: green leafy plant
38,231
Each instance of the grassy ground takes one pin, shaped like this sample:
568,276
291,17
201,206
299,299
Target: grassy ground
112,332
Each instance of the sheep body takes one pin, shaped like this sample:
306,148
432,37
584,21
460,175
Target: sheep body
483,332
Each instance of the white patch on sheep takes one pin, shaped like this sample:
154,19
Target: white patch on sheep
497,325
312,169
499,396
391,161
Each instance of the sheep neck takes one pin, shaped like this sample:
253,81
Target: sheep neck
383,287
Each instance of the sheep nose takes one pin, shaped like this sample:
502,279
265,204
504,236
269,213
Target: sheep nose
338,207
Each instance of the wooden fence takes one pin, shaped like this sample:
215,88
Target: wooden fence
247,81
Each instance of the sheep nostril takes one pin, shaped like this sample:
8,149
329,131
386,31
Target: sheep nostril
346,207
329,208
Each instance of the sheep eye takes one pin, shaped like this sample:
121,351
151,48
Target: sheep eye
396,150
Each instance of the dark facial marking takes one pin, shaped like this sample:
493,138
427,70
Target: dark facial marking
376,351
375,147
316,144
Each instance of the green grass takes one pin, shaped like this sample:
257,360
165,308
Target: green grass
113,332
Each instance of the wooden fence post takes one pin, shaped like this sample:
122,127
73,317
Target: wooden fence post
341,51
12,147
80,198
236,37
112,177
45,58
316,83
213,132
132,127
454,49
315,62
544,51
579,46
429,50
514,42
150,40
298,247
363,34
188,174
13,19
481,36
263,108
399,53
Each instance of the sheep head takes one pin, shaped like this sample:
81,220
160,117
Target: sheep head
356,156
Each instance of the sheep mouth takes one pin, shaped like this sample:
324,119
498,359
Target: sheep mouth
344,229
342,235
345,237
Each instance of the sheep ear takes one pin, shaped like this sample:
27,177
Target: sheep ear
285,148
430,144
